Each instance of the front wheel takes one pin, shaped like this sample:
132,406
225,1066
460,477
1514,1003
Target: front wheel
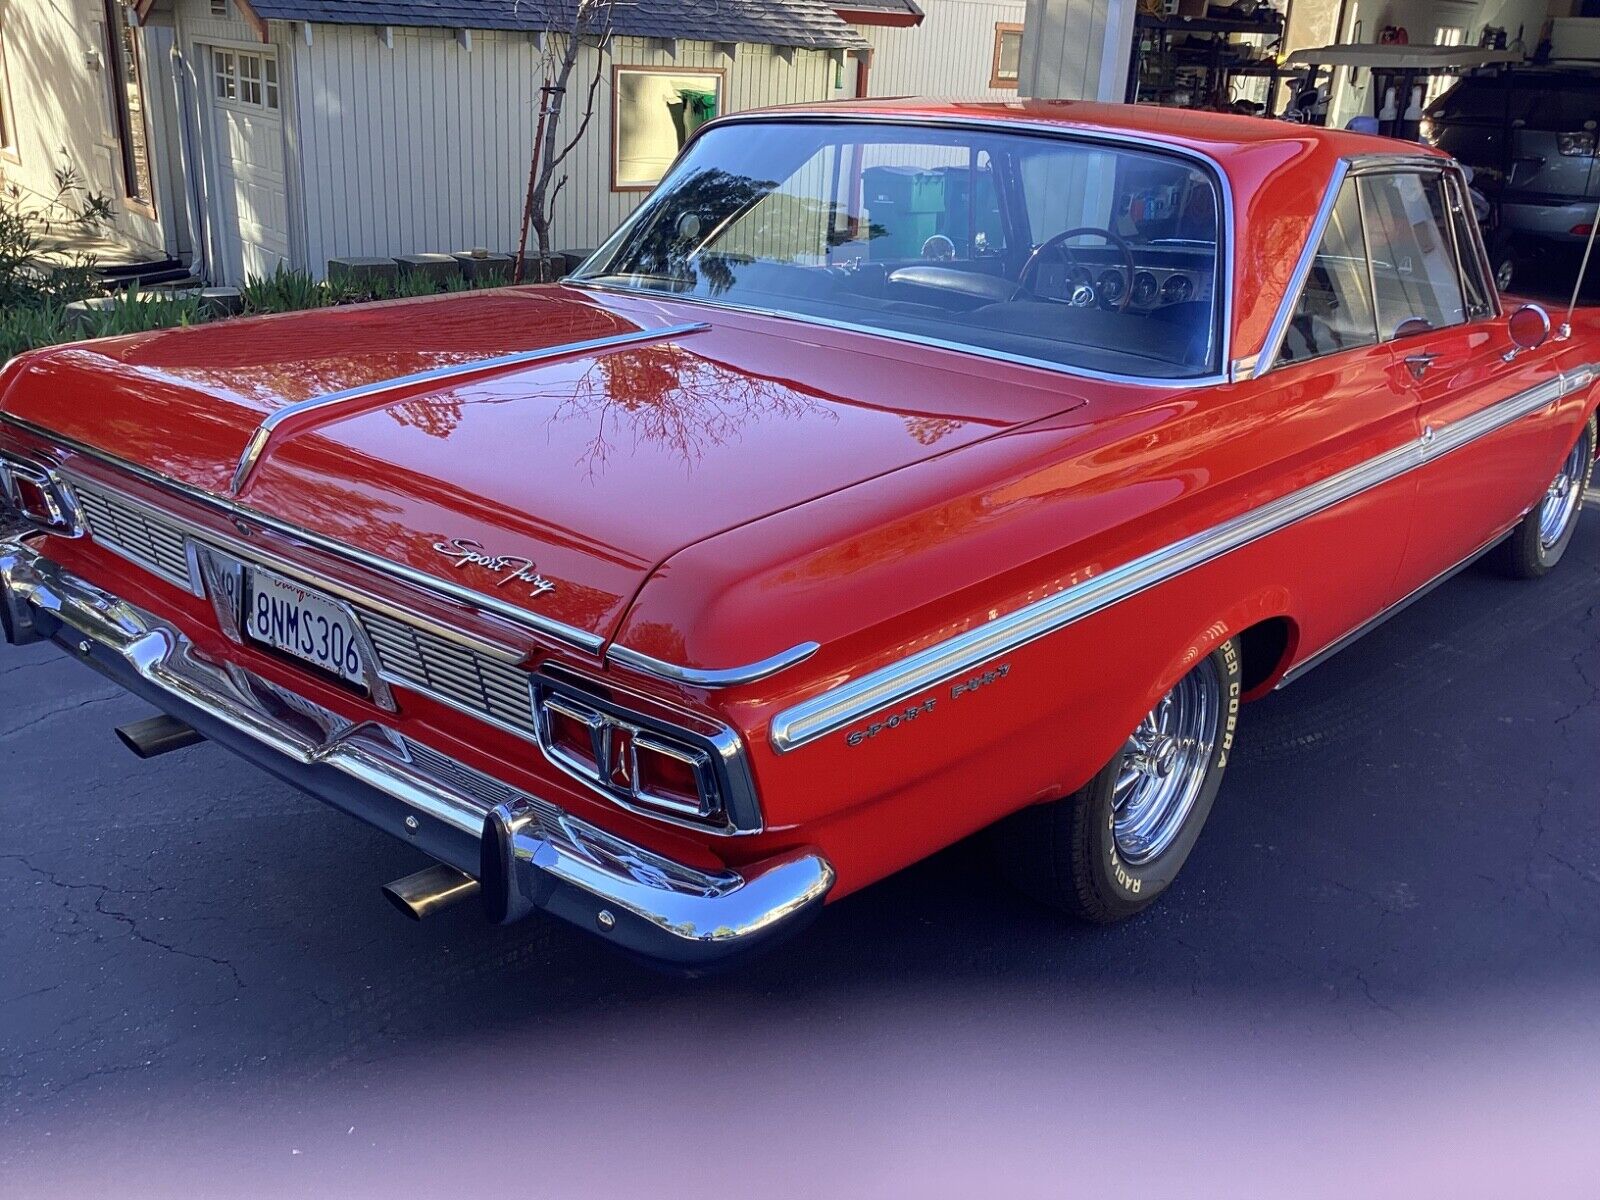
1538,542
1110,849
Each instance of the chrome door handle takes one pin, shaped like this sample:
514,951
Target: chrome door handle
1418,364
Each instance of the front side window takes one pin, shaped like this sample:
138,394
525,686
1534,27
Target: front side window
1414,273
1464,223
1334,311
1069,252
655,113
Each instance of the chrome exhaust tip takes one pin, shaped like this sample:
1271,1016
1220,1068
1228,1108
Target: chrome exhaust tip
158,735
17,625
428,891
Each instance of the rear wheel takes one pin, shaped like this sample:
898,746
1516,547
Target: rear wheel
1109,850
1539,541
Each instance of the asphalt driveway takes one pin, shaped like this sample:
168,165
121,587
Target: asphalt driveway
1379,975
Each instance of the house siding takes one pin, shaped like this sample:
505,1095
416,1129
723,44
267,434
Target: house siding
426,146
62,117
950,55
1077,49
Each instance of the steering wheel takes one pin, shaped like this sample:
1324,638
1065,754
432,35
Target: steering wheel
1058,245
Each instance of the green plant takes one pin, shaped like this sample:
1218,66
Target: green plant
27,278
29,327
135,312
284,291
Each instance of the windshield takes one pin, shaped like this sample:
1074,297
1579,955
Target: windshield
1072,253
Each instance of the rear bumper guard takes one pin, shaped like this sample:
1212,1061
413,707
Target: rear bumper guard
528,854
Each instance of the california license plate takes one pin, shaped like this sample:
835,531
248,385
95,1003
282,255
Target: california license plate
292,618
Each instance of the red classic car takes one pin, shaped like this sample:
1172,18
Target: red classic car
896,471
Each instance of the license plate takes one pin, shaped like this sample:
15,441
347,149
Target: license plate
292,618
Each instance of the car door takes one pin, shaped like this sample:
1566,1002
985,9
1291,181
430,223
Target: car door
1441,319
1338,391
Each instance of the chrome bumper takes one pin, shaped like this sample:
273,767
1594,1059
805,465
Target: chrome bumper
528,854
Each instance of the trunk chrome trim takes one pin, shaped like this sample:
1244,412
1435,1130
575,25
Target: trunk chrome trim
726,677
888,685
457,371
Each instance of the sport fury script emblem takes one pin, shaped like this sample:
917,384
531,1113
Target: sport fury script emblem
510,568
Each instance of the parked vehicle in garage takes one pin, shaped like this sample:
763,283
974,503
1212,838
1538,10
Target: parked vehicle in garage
1528,133
780,549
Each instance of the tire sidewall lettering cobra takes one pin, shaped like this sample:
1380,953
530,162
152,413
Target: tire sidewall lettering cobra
1137,884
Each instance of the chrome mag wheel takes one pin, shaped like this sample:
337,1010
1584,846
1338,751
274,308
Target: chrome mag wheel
1165,764
1565,495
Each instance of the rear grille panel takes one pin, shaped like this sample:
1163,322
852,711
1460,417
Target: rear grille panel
408,655
129,531
434,664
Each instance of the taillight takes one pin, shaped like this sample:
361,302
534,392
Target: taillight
1575,145
39,496
643,763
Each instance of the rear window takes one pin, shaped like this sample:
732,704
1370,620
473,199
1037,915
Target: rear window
1073,252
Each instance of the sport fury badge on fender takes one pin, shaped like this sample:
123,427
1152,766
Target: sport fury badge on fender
467,553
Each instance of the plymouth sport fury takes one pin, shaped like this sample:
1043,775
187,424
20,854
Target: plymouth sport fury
897,470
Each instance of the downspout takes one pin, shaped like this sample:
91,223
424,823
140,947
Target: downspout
200,238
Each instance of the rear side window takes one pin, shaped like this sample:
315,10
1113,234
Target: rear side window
1414,272
1335,308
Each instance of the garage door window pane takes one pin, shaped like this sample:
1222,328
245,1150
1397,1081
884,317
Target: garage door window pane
1414,268
656,112
223,69
1335,308
272,82
250,79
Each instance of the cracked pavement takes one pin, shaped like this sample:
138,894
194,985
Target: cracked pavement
1390,930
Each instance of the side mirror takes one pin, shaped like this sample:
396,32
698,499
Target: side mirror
1529,327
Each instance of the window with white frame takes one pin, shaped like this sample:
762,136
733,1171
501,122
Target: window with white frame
245,79
654,112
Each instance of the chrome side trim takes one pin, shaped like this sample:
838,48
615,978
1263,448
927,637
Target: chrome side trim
237,511
1225,241
1347,640
547,859
837,707
454,372
1279,328
719,678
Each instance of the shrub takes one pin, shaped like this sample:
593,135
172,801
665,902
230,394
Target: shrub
284,291
135,312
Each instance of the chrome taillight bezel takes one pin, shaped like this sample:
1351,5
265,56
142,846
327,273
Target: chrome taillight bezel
59,513
619,730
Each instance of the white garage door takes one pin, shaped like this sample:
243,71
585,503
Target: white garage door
246,105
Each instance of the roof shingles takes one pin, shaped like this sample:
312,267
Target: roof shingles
806,23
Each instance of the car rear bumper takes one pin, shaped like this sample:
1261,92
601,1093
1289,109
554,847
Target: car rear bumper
528,854
1548,221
